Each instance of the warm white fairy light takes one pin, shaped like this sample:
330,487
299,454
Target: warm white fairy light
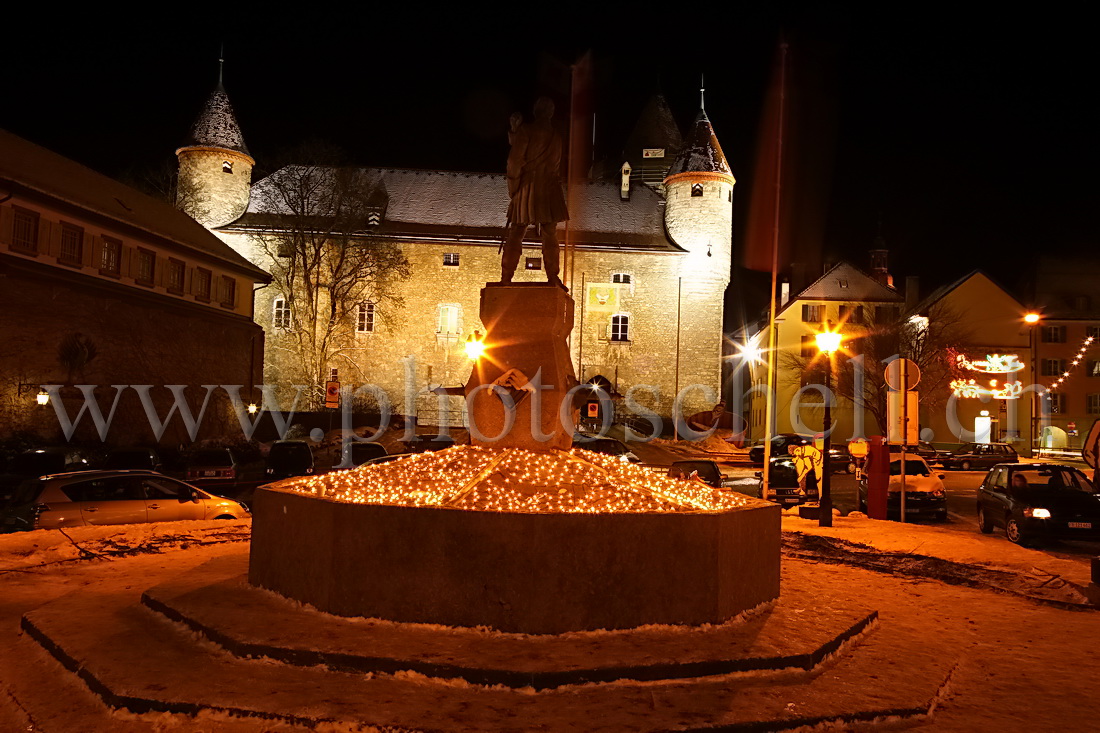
517,480
1076,360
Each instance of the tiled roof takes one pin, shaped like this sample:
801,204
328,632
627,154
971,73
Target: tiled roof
847,282
446,203
217,126
701,152
55,176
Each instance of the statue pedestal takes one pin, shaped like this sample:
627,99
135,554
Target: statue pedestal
526,360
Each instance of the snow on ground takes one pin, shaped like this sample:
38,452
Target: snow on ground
1023,666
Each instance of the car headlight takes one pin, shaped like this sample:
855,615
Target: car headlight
938,493
1037,513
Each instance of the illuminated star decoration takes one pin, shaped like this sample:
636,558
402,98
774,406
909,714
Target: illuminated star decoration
992,364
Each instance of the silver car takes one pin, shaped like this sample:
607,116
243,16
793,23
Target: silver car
111,497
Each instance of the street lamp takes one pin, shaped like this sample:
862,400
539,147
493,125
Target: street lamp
475,345
1032,319
828,342
43,397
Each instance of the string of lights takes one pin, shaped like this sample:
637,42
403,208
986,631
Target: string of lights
1076,360
516,480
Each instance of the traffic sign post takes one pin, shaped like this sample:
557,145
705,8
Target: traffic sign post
901,375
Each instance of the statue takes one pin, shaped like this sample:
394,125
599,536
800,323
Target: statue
534,188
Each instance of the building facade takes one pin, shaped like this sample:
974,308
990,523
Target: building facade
646,257
103,285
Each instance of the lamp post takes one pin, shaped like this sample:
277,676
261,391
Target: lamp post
827,343
1032,320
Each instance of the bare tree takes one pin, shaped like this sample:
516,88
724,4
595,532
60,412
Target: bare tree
324,260
932,344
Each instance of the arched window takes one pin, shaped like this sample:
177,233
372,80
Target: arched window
227,166
280,313
364,318
696,189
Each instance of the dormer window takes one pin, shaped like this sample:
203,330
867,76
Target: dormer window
696,189
227,166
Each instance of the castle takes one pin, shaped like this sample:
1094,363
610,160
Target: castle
649,270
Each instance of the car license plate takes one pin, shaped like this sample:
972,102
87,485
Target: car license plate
209,473
1080,525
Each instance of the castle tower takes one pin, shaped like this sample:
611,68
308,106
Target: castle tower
215,169
699,209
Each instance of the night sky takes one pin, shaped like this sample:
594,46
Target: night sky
969,140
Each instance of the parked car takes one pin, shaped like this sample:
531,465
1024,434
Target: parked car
223,471
783,486
422,443
356,453
1039,500
923,448
925,496
146,459
705,471
607,446
979,455
779,446
289,458
39,462
111,497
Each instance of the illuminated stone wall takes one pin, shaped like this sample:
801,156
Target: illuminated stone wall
206,191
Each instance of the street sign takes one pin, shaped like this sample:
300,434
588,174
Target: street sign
903,419
893,374
332,394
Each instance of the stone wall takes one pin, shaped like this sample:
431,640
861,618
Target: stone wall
206,192
140,339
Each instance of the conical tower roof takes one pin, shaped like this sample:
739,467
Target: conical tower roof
701,152
217,126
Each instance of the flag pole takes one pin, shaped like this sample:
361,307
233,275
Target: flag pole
773,335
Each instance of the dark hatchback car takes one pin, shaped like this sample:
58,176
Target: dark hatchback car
289,458
779,446
222,471
979,455
357,453
783,484
705,471
923,448
39,462
1039,500
607,446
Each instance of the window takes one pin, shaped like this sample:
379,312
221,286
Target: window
887,314
228,294
280,313
1093,332
1093,404
1093,368
851,313
450,259
621,277
227,166
620,328
111,257
146,264
364,318
202,283
532,263
24,234
813,313
175,276
448,320
696,189
809,345
1052,367
72,244
1056,402
1053,334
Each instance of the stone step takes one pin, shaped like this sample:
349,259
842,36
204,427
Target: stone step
216,601
138,660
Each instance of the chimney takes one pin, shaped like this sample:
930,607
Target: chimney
784,293
624,192
912,292
879,268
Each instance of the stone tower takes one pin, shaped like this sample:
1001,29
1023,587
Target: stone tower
215,169
699,209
